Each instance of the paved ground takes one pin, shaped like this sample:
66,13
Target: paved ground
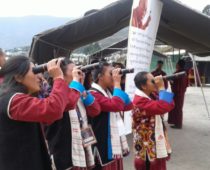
191,145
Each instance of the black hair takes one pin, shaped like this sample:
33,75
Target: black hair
181,63
140,79
160,62
102,60
64,64
87,82
99,71
114,64
15,66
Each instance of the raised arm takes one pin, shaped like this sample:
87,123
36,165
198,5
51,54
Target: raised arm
23,107
92,106
155,107
115,104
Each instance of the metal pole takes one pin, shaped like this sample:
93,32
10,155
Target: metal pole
194,69
199,79
172,67
169,65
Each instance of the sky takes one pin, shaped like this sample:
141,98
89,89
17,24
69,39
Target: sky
66,8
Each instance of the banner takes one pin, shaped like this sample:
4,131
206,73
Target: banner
143,28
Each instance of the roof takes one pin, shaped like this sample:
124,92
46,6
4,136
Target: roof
184,28
180,26
90,28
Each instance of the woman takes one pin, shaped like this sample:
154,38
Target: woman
178,87
111,141
21,139
65,136
150,137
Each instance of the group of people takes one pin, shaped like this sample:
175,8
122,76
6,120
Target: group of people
56,123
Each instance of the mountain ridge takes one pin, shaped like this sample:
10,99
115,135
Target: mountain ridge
19,31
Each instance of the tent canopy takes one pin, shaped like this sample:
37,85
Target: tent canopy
180,26
90,28
122,45
184,28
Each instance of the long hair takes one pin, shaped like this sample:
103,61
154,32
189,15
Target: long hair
87,81
14,67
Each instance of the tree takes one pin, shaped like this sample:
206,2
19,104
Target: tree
92,48
206,10
88,49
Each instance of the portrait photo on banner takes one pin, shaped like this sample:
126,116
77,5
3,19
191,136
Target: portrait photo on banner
141,14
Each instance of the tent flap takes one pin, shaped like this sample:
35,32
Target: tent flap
90,28
180,27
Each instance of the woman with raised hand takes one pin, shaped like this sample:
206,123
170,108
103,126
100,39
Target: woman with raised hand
111,144
21,140
70,138
151,102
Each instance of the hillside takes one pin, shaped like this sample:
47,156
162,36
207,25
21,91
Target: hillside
18,31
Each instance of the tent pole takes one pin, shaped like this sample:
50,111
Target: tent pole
172,68
168,65
194,69
199,80
88,59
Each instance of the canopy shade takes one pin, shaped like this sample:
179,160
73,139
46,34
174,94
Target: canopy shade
122,45
184,28
180,27
90,28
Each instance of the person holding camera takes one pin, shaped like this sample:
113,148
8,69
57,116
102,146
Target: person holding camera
21,139
70,138
111,143
150,136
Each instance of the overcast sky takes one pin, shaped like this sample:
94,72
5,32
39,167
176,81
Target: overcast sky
66,8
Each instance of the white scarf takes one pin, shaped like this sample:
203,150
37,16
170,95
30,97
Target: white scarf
119,143
81,157
162,149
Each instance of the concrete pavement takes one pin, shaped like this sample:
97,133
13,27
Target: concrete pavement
191,145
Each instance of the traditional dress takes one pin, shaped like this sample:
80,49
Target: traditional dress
21,139
150,136
178,87
64,136
111,144
158,72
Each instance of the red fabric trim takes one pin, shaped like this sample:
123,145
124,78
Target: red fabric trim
115,104
152,107
31,109
94,109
